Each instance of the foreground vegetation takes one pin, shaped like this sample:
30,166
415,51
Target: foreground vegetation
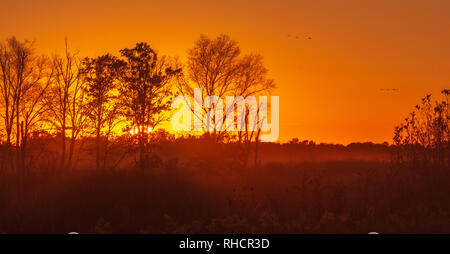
215,194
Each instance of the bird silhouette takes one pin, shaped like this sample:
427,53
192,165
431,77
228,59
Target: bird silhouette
390,89
296,37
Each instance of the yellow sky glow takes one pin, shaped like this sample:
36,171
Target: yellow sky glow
330,85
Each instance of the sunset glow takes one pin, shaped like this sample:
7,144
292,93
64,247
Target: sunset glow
135,130
238,121
335,63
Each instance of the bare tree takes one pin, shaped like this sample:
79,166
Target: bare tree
212,66
146,91
77,116
15,62
25,78
251,80
101,75
7,73
32,107
65,101
216,66
23,85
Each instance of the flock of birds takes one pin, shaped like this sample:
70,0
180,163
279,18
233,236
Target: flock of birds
296,37
389,89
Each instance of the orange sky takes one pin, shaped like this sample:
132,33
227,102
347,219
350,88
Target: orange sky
329,86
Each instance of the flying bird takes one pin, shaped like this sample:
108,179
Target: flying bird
296,37
389,89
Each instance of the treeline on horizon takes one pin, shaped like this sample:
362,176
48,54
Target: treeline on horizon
124,99
65,112
108,97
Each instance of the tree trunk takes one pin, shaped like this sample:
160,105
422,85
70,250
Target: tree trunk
18,168
71,151
21,150
256,147
105,152
142,155
8,137
97,157
63,144
256,162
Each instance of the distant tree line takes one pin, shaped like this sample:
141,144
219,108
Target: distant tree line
70,97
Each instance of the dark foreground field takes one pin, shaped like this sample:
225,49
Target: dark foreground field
216,196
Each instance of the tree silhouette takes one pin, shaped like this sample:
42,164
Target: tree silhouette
212,66
101,75
25,77
33,105
65,101
424,136
216,66
146,91
8,88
